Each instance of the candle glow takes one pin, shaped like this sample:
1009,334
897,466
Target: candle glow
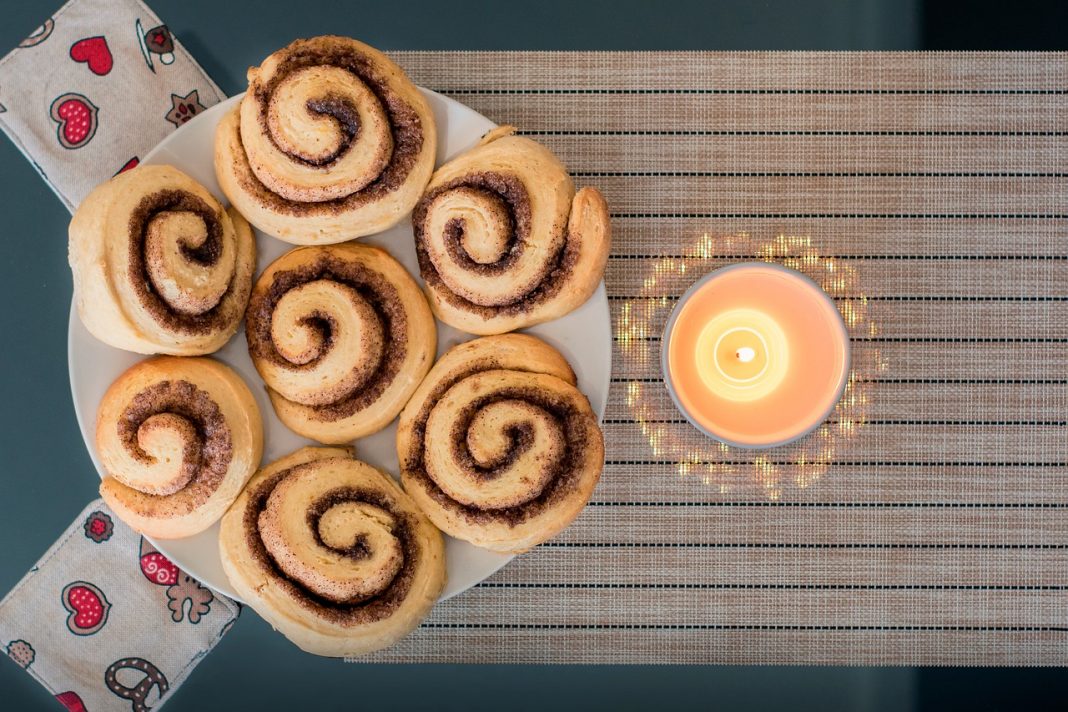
796,348
640,319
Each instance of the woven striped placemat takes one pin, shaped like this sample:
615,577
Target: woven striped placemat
927,521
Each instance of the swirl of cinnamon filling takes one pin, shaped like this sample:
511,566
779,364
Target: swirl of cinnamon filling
177,438
331,142
159,266
341,335
503,239
498,446
332,553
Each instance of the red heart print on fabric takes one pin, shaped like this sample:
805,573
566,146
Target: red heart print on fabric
76,116
158,569
87,607
93,51
130,164
71,700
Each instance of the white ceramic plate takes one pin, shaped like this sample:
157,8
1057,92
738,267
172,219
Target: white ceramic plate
584,337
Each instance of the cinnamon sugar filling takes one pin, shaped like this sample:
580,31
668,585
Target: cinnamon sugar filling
348,119
511,192
384,301
206,254
562,479
351,613
405,125
206,456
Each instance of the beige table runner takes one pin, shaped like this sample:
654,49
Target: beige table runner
927,522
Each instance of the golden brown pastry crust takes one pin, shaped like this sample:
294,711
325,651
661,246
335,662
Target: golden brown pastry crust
177,438
342,335
331,142
159,266
332,553
503,239
497,445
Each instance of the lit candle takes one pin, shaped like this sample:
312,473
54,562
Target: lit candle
755,355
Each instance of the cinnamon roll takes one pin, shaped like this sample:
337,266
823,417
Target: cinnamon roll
332,553
177,438
498,446
342,336
331,142
159,266
503,239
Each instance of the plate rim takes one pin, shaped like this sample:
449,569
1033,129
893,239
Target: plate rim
600,295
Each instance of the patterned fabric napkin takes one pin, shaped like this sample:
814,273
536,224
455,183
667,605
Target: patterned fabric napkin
95,87
106,622
103,620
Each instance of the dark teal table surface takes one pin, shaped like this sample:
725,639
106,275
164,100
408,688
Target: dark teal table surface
48,475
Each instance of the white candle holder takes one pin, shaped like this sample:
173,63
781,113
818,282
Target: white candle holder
668,376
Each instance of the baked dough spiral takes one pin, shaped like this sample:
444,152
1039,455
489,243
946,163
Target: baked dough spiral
177,438
498,446
332,553
159,266
342,336
503,239
331,142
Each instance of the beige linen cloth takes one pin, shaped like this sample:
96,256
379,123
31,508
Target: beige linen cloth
94,88
106,622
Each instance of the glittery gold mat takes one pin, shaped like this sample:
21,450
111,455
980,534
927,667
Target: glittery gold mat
925,522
